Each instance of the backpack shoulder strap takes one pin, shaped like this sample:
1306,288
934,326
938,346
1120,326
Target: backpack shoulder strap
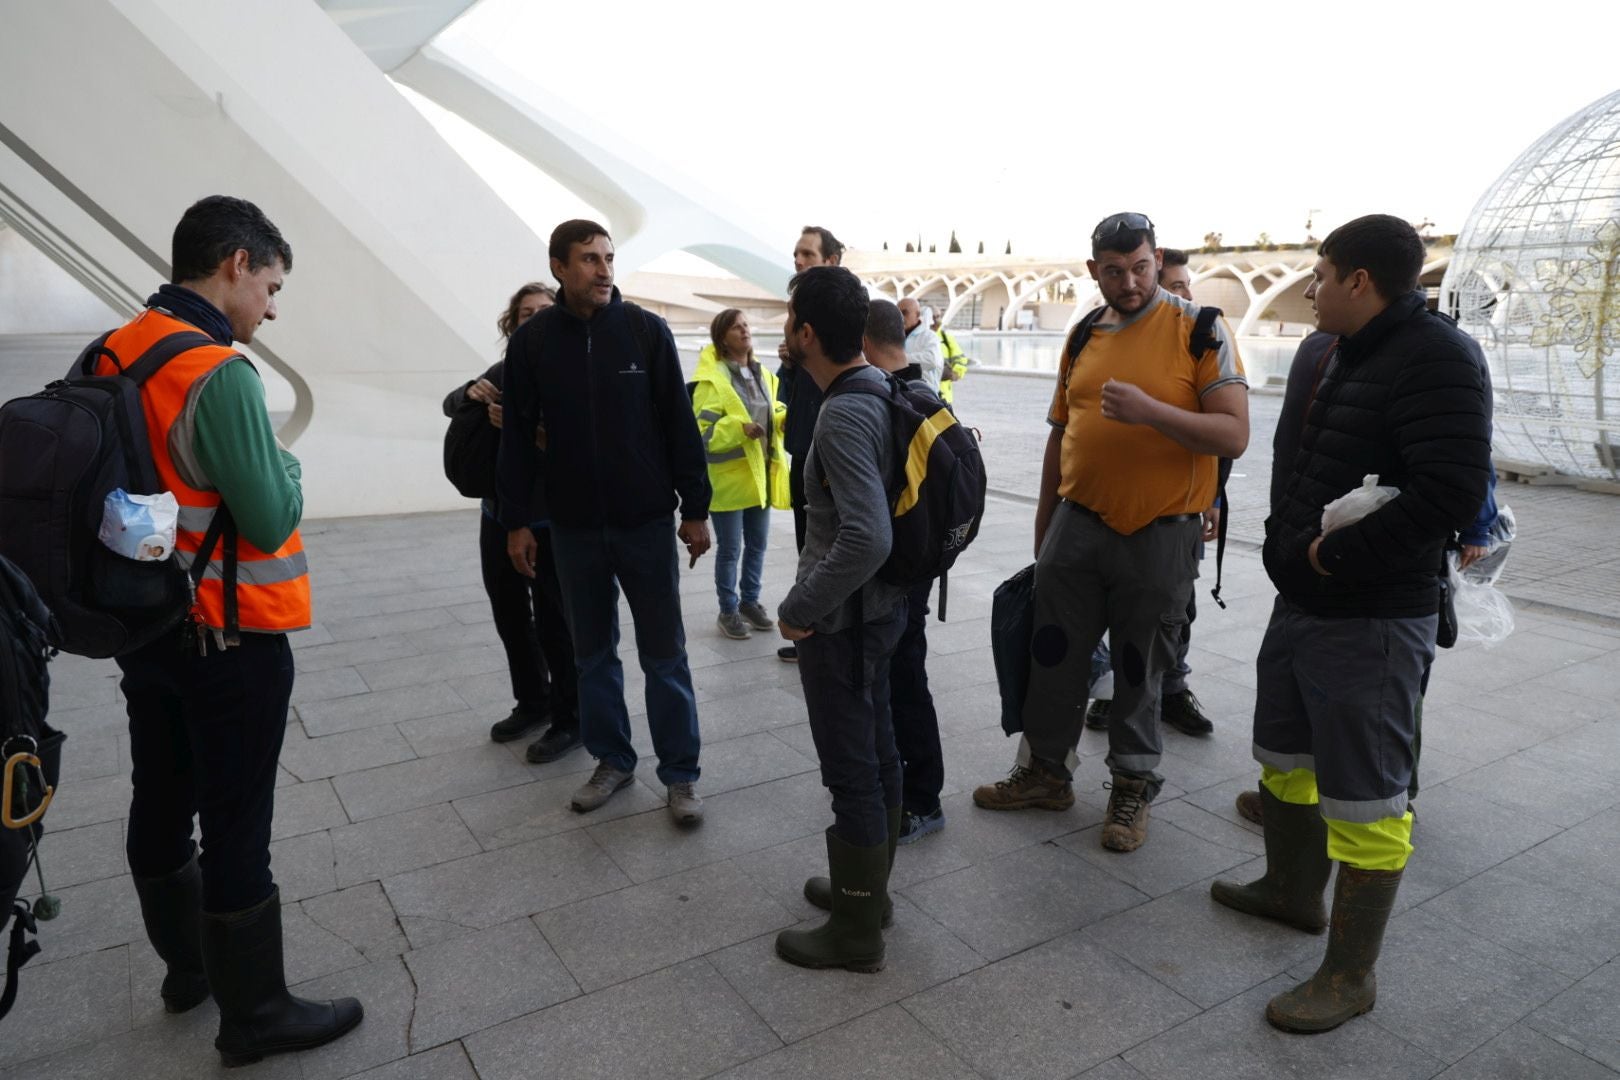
85,365
1077,341
1202,339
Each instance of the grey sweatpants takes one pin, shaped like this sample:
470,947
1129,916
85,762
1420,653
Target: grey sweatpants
1090,580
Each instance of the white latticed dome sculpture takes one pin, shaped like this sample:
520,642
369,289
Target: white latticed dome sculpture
1536,278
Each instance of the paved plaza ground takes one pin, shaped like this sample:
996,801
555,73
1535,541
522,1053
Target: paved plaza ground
493,933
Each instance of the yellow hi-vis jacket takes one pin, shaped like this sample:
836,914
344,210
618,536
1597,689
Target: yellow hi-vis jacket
956,362
740,471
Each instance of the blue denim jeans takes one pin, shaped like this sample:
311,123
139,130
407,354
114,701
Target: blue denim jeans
592,565
739,533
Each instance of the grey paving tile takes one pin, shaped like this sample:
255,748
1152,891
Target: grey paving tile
782,869
433,667
734,823
682,1022
541,808
310,950
1204,951
750,710
1233,1041
362,918
798,1002
887,1044
1112,1069
1594,678
748,760
82,999
1585,1018
337,682
447,1062
306,808
1008,904
97,915
1217,823
303,866
1054,1010
105,798
482,979
351,751
379,707
181,1046
1567,924
1526,788
386,992
484,890
75,856
338,654
453,731
425,781
1520,1053
1448,991
976,835
380,847
88,756
1458,834
1171,859
608,939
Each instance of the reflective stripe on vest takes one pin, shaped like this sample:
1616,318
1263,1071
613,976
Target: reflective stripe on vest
272,592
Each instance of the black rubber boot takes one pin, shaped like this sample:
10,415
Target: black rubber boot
257,1016
1345,985
818,890
170,907
852,936
1297,868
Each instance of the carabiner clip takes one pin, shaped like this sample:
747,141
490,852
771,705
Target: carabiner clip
5,794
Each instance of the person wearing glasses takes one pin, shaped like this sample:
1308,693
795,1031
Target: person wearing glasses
1138,424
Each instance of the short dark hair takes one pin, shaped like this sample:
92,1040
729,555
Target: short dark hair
1387,247
508,322
884,323
571,232
1173,257
1120,232
832,301
831,247
215,228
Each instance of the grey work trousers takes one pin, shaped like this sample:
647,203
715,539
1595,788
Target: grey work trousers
1091,580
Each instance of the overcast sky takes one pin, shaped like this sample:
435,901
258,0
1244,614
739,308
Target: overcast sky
1029,121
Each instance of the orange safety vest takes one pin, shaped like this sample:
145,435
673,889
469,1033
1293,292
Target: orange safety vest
272,589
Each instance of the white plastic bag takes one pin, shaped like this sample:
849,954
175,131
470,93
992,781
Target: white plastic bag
1351,507
1484,613
140,527
1488,569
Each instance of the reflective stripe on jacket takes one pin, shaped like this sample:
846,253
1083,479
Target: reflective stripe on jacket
272,588
738,470
956,362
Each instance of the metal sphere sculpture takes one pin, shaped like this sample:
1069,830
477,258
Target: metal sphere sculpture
1535,276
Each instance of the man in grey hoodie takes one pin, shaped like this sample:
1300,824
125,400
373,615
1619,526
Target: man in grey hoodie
845,622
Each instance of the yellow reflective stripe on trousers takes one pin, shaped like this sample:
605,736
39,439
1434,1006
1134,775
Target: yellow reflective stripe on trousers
1297,786
1379,845
917,458
256,572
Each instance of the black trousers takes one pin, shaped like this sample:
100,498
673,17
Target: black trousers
204,736
916,725
529,620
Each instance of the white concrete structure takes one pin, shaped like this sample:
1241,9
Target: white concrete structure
402,254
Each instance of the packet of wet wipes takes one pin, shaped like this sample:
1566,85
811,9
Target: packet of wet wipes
140,527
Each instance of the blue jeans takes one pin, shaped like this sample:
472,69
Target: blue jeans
739,533
592,565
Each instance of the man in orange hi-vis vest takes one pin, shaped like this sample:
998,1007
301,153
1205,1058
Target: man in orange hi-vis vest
208,701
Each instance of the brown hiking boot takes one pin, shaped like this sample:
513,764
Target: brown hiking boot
1126,827
1250,808
1024,788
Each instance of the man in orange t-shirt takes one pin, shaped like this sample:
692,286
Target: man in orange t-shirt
1138,424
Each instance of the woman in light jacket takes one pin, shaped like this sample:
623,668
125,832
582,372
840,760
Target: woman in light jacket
740,420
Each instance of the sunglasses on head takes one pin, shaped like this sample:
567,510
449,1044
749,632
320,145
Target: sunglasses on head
1118,223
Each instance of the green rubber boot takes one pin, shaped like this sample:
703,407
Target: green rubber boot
1297,868
818,890
1345,985
852,936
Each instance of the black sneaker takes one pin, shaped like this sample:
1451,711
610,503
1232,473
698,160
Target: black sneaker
517,724
914,827
1181,712
1097,715
552,745
788,654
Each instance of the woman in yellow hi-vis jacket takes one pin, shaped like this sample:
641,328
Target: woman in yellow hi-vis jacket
740,420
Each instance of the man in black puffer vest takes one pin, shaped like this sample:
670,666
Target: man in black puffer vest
1402,395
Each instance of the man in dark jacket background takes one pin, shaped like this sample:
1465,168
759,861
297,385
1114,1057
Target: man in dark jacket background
1353,628
605,400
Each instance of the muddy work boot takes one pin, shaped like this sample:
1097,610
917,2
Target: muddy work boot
1125,826
1250,808
1026,787
852,936
1297,868
1345,985
818,890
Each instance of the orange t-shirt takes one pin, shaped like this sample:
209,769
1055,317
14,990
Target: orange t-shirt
1130,474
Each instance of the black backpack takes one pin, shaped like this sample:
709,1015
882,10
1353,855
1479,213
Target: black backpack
1200,341
62,451
31,755
937,493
